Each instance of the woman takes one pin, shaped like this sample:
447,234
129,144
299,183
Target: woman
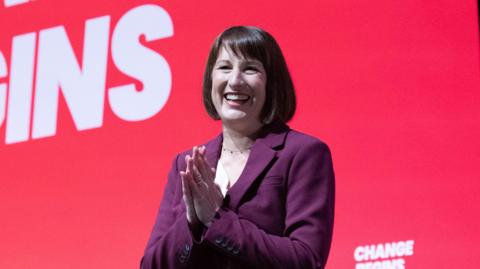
259,195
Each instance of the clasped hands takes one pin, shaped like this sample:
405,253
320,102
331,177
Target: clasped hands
201,195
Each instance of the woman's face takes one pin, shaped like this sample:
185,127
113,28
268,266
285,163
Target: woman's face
238,88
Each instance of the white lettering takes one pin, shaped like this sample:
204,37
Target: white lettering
81,81
401,248
385,264
390,249
83,88
20,88
142,63
359,266
358,254
3,88
399,263
10,3
379,253
384,251
370,252
409,247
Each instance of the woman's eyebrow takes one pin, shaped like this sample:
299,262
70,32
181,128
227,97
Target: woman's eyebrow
253,61
222,61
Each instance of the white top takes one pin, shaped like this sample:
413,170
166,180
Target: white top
221,178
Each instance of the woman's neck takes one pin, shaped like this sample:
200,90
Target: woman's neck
240,139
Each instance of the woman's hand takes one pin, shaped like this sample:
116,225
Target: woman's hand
192,218
201,195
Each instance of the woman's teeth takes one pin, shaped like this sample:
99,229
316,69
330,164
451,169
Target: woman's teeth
236,97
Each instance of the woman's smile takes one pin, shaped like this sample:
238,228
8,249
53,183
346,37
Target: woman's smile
238,87
236,99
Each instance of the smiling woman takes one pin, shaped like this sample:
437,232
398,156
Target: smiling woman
238,89
259,195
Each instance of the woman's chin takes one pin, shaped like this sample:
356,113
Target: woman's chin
234,119
233,115
238,119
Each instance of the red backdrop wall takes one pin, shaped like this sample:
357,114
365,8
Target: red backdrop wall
392,86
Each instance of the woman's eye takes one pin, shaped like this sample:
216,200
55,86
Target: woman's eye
251,69
223,67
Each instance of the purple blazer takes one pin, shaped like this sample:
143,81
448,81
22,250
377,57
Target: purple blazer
279,214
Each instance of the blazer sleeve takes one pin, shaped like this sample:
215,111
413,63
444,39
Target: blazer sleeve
306,240
171,242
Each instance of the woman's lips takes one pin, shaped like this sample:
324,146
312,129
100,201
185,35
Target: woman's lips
236,99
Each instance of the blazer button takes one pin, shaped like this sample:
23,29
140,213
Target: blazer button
225,243
182,258
219,240
186,248
230,248
236,251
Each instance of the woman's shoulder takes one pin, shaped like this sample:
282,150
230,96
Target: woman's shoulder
301,140
280,136
307,149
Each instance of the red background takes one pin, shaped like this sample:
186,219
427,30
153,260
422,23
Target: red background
391,86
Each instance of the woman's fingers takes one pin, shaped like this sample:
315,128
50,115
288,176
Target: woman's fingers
200,190
201,169
196,166
203,166
195,153
199,178
202,150
186,188
190,187
196,159
207,170
219,192
187,198
192,171
188,163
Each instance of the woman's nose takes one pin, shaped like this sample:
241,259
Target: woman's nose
236,79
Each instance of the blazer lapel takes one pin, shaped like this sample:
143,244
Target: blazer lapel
213,150
261,155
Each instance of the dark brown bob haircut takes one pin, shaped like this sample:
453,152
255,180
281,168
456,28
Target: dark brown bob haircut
255,43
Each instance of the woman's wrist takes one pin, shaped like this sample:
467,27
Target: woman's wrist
197,230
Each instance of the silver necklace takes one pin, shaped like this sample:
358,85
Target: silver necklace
232,151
